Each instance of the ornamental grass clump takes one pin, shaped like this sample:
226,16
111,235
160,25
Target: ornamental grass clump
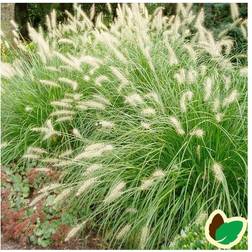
145,120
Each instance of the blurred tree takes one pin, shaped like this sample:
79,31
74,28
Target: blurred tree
7,14
21,17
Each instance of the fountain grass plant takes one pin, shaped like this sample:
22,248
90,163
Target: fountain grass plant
145,119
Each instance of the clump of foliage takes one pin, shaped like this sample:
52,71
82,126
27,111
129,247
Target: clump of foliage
26,223
145,120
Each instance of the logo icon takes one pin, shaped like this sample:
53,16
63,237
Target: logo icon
224,232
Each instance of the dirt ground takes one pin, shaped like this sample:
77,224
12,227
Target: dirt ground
12,246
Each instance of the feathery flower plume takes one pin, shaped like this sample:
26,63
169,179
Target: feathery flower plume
197,132
115,193
173,60
216,105
14,24
75,64
177,125
81,107
227,82
38,198
75,96
146,52
99,23
28,108
106,124
73,84
186,97
64,163
183,233
50,160
48,23
131,210
70,16
86,185
180,76
218,172
158,174
191,51
208,85
90,60
77,133
218,117
48,130
92,168
3,145
144,235
203,70
67,100
32,156
63,68
15,34
62,112
234,11
123,80
113,44
191,76
244,31
102,99
86,78
232,97
50,187
198,151
134,99
201,219
98,146
244,71
49,83
36,150
91,104
109,7
62,196
52,68
153,95
123,231
73,232
53,19
145,125
7,70
64,119
94,150
66,153
148,111
100,80
61,104
92,12
147,183
43,45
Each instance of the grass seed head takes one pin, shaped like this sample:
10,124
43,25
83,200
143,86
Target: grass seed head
177,125
123,232
218,172
185,98
86,185
115,193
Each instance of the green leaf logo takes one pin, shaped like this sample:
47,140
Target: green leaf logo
224,232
